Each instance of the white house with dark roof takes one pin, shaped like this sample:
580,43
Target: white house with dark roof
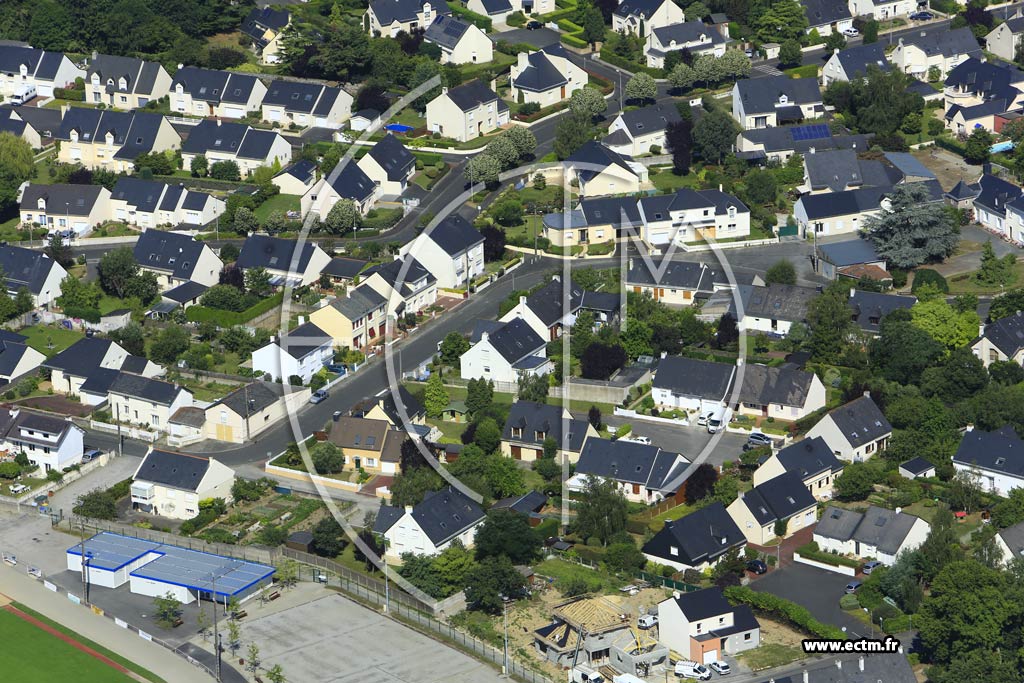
697,540
781,392
642,473
916,468
17,359
176,259
855,254
598,171
206,92
277,255
854,431
846,212
772,101
301,104
695,36
296,178
302,352
545,311
50,442
782,498
827,16
502,351
545,77
693,385
639,17
347,181
149,203
32,269
112,140
354,320
773,308
982,94
1004,40
249,410
530,424
407,286
390,165
432,526
676,283
264,26
142,400
125,82
854,62
635,131
1011,542
171,484
35,125
248,147
704,627
466,112
461,42
453,252
810,458
21,65
390,17
92,356
880,10
877,533
63,208
942,49
1001,340
995,458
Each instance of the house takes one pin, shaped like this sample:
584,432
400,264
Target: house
867,309
994,457
854,431
23,66
149,203
36,125
432,526
705,627
34,270
941,49
692,385
827,16
112,140
546,76
982,94
530,424
344,271
846,212
811,458
695,36
302,352
368,445
1001,340
880,10
774,308
676,283
1011,542
888,668
876,533
504,350
390,166
839,258
466,112
499,10
778,144
354,320
639,17
784,393
598,170
597,220
346,181
840,170
86,358
17,359
264,26
49,442
453,252
642,473
783,500
302,104
391,17
398,408
1004,40
171,484
142,400
125,82
550,310
636,131
992,205
182,296
461,42
407,286
176,258
696,541
917,468
772,101
224,94
246,146
296,178
69,209
279,258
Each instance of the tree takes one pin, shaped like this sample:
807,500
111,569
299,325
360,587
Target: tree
1007,304
856,481
834,41
914,231
487,435
903,351
328,537
594,417
504,150
509,534
436,398
961,375
452,347
503,476
96,504
225,170
944,324
483,168
327,458
257,281
17,165
166,609
790,54
977,149
870,32
344,217
781,526
588,102
714,135
641,88
117,269
964,491
479,395
877,104
522,139
636,339
409,487
275,674
169,345
701,483
602,511
709,69
601,360
199,166
131,338
828,315
593,26
995,270
58,250
533,388
734,64
494,243
508,212
679,143
782,272
245,221
624,557
781,21
727,333
492,581
761,187
252,658
275,223
572,132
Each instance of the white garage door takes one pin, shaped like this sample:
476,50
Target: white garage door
273,115
234,112
122,214
809,518
45,90
711,656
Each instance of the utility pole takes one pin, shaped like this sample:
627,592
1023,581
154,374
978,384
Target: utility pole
120,439
387,588
216,631
504,615
85,573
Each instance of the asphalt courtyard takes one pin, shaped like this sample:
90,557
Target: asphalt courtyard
817,590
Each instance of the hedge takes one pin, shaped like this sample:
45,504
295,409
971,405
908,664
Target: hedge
574,41
199,314
69,94
629,65
428,158
483,23
91,315
568,26
812,552
783,609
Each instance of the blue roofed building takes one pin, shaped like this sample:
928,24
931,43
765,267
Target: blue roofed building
248,147
391,17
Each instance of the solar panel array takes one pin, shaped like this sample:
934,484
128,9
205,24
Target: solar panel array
816,131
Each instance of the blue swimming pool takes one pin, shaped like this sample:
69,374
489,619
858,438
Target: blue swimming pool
398,128
1001,147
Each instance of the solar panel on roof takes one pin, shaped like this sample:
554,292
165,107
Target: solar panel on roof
815,131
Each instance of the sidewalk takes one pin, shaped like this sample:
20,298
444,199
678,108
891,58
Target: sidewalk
56,606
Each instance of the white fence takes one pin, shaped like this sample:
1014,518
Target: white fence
838,569
729,245
632,414
129,432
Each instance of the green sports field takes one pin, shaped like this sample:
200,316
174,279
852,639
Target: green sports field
31,654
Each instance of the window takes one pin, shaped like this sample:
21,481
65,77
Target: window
747,637
673,551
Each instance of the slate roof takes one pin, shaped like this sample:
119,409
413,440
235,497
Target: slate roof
548,302
170,252
137,386
297,96
264,251
642,9
761,95
346,268
78,200
1013,537
860,421
996,193
393,157
869,308
908,165
351,182
412,408
144,195
702,604
778,302
888,668
25,268
416,277
849,252
785,138
946,42
252,398
469,96
629,462
359,302
228,137
676,275
185,292
809,457
174,470
692,377
615,211
304,340
445,514
856,201
833,170
1007,334
303,169
11,354
702,536
140,76
259,20
539,75
884,529
652,118
403,11
515,340
782,385
778,498
825,12
455,235
525,504
595,154
962,191
44,121
190,416
446,31
917,466
541,417
387,516
688,34
999,451
496,6
213,86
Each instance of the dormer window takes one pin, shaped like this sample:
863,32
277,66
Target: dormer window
783,99
95,79
122,84
110,81
74,136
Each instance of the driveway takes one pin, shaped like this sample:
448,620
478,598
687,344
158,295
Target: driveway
541,37
816,589
689,441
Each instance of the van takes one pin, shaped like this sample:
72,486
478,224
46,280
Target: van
647,621
687,669
23,94
584,674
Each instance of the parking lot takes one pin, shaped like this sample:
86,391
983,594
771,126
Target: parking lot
816,589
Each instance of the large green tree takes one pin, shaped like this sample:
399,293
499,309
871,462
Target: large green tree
916,230
714,135
508,533
17,165
602,511
944,324
829,318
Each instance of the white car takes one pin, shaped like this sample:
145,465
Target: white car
715,424
638,439
702,421
720,668
851,32
18,488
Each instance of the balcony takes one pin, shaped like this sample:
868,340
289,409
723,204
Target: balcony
143,492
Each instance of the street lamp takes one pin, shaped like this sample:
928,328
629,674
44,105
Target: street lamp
504,615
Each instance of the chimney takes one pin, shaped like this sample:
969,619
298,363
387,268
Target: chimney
969,427
218,123
675,594
302,320
631,263
853,290
408,508
719,187
664,354
981,329
835,50
14,412
522,300
522,60
95,55
484,336
180,67
898,511
860,662
494,85
444,89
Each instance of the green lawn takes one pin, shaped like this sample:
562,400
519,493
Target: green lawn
667,181
805,71
206,391
561,571
281,203
110,303
967,283
452,430
40,336
770,656
31,654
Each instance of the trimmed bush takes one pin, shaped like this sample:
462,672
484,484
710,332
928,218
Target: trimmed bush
812,552
483,23
91,315
790,612
198,314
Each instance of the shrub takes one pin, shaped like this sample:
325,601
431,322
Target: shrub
529,108
812,552
923,276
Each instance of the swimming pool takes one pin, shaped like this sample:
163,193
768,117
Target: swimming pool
398,128
1001,147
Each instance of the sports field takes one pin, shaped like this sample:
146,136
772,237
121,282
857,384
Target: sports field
35,650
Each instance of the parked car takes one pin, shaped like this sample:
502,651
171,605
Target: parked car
720,668
871,566
647,621
11,559
637,439
533,25
17,489
757,440
702,421
851,32
91,454
687,669
35,571
318,396
749,53
715,424
757,566
853,586
922,16
336,368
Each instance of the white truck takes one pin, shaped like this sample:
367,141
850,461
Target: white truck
23,94
688,669
584,674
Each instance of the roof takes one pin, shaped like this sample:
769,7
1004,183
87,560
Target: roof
264,251
824,12
860,421
137,386
629,462
525,504
653,118
260,20
515,340
695,34
675,274
870,307
304,340
226,137
548,420
996,193
760,95
359,433
642,9
185,292
78,200
539,75
496,6
833,170
403,11
778,498
838,523
11,354
945,41
917,465
446,31
368,114
809,457
297,96
594,154
393,157
963,190
888,668
359,302
778,302
81,358
471,95
415,278
701,536
445,514
175,470
387,515
802,138
785,386
172,252
702,604
616,211
140,76
190,416
410,405
858,59
252,398
878,527
1007,334
25,268
345,268
352,182
692,377
548,303
908,165
999,451
134,132
455,235
209,85
857,201
1013,537
303,169
849,252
